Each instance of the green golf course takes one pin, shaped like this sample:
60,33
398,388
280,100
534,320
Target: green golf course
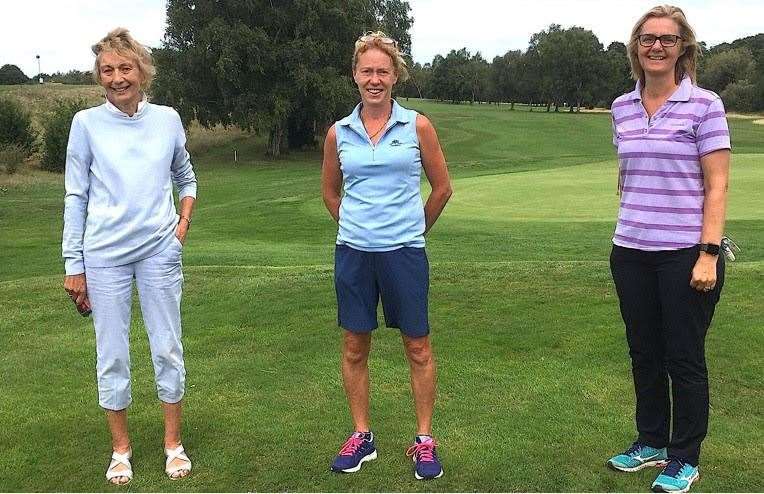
534,379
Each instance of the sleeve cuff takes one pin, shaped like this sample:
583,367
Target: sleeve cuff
187,191
74,266
711,149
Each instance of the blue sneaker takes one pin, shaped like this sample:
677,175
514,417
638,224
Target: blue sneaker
676,477
357,449
426,463
637,457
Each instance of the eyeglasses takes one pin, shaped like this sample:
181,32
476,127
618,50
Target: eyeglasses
667,40
370,36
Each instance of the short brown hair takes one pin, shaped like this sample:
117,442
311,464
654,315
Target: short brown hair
688,60
391,49
120,41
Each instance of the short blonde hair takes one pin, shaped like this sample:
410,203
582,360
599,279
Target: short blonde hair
121,42
391,49
688,60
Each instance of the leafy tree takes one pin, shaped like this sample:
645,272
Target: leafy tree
713,73
616,78
276,67
572,64
419,80
455,76
540,56
11,74
435,90
530,83
722,68
394,18
481,86
505,74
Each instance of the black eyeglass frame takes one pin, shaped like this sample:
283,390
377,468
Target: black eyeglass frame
666,40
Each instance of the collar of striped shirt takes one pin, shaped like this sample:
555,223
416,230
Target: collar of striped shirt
682,93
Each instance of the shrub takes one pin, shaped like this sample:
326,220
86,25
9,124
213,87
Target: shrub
11,156
56,136
16,126
11,74
739,96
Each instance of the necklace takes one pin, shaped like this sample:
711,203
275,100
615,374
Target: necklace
372,136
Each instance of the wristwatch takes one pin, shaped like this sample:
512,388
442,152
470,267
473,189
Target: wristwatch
712,249
188,221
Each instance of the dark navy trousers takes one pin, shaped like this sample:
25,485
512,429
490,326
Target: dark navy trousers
666,325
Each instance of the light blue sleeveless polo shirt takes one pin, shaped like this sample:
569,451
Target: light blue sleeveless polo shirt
381,208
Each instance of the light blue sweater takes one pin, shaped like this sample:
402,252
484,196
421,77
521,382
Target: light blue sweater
119,207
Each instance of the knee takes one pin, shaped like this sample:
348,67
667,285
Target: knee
355,348
167,351
419,352
110,367
686,372
646,358
355,354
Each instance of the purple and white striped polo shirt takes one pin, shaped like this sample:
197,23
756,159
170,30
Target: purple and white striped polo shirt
660,176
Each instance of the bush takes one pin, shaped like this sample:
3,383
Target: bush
56,136
739,96
11,74
15,126
11,156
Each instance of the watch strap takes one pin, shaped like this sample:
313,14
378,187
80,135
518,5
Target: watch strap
712,249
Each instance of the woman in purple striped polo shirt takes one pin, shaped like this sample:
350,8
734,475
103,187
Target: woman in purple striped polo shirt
673,153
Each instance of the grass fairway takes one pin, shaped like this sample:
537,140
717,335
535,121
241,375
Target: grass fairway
534,380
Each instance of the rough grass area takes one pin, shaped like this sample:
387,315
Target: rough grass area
535,385
40,99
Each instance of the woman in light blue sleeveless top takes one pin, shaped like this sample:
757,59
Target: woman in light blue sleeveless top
373,160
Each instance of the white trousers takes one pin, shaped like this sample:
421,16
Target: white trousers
159,279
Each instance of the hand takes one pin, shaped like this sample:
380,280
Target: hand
704,273
181,231
76,287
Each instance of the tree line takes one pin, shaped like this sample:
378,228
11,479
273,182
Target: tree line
12,74
282,69
570,68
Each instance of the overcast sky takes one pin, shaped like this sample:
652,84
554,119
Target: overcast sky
62,31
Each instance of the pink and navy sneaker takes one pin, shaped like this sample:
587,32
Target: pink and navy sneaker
426,463
357,449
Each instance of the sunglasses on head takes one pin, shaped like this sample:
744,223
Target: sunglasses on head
370,36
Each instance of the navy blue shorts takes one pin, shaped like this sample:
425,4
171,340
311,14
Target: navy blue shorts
400,277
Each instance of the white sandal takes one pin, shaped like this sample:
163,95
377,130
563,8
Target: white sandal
176,454
120,459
